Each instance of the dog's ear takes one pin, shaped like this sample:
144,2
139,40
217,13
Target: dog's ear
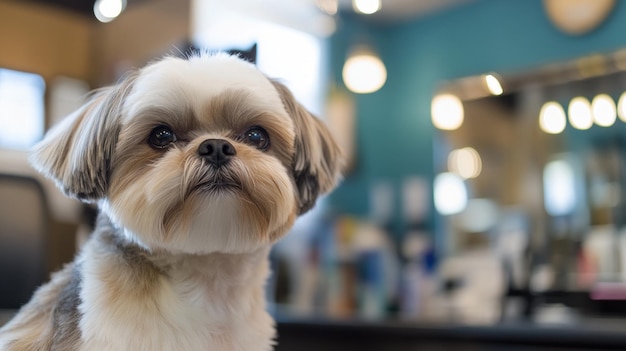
317,162
77,152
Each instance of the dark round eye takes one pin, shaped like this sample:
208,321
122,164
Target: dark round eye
257,137
161,137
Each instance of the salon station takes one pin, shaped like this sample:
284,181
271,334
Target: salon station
483,198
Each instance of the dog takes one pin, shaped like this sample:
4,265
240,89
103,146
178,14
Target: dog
198,165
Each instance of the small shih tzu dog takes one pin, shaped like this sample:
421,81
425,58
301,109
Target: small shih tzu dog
198,166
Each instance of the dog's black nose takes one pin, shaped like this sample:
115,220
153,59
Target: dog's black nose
217,151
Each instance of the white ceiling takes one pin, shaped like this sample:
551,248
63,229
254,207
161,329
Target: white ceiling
402,10
304,15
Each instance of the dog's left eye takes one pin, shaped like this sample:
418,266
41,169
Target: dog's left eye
161,137
257,137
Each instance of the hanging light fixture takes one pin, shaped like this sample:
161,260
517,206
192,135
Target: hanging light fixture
366,7
108,10
364,72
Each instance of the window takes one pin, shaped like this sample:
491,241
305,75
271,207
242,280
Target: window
21,109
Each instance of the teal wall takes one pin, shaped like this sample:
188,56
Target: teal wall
395,135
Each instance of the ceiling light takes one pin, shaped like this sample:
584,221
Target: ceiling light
364,72
107,10
366,7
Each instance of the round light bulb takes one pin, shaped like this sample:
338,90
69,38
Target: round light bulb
446,112
366,7
621,107
604,111
552,118
465,162
107,10
364,73
579,112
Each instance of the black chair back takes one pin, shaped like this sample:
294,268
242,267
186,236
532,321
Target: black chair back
24,219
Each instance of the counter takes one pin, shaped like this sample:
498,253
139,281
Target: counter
305,335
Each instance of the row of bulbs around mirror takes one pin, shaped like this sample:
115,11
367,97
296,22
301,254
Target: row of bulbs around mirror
582,113
447,111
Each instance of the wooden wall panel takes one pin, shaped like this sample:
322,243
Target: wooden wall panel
44,40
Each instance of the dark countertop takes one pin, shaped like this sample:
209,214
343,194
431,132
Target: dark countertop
304,334
307,334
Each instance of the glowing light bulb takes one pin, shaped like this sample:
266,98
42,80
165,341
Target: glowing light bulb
107,10
621,107
579,112
604,111
364,73
465,162
450,194
552,118
493,84
366,7
447,112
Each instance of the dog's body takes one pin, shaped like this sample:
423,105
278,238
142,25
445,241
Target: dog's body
198,302
198,166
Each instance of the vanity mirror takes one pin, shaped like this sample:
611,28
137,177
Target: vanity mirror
535,171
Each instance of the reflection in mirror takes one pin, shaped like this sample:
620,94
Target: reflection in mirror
539,162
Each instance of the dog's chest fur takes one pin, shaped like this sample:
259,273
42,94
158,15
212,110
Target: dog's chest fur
131,300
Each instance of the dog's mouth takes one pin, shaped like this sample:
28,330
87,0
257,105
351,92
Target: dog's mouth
218,184
214,180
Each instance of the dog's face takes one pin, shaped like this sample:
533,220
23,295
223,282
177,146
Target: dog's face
199,155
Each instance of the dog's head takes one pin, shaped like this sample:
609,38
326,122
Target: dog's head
194,155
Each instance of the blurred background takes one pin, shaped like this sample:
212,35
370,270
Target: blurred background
485,142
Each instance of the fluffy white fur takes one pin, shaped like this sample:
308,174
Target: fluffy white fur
178,261
187,313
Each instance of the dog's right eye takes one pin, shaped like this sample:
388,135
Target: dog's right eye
161,137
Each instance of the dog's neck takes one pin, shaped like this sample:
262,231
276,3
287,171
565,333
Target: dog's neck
220,268
131,271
